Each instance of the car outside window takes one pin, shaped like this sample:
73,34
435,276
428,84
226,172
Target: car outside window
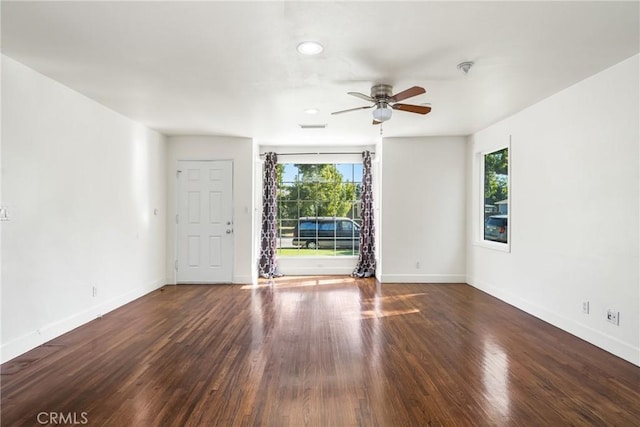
307,225
327,226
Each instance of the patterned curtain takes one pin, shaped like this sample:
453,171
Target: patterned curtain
268,238
366,266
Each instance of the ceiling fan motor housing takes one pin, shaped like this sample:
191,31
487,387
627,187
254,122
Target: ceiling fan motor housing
381,91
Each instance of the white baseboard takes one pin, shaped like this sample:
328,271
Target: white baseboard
423,278
593,336
52,330
243,280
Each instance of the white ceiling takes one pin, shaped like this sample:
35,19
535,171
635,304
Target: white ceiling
231,68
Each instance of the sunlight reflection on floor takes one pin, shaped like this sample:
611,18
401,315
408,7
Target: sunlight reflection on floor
301,281
496,378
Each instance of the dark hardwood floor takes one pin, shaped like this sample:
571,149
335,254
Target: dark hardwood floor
322,351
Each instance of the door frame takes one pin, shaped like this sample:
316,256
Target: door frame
176,205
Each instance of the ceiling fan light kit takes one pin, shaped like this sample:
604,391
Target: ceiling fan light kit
382,113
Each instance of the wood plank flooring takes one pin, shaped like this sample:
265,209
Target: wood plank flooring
319,351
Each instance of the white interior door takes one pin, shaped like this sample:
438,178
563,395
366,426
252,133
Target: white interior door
205,222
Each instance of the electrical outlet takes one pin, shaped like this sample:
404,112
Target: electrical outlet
585,307
613,316
417,264
94,291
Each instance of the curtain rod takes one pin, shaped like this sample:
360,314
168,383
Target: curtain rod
317,153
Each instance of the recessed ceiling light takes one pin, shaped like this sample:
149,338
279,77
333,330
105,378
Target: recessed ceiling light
312,111
310,48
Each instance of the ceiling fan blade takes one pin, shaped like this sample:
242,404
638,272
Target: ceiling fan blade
375,122
353,109
362,96
412,108
412,91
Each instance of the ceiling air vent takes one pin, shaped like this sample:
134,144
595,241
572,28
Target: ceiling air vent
313,126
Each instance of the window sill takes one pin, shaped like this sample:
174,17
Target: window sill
496,246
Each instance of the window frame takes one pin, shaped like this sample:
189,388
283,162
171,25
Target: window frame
480,221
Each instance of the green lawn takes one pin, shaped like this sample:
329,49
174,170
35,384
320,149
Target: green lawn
315,252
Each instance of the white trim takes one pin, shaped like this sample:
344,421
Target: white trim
176,205
496,246
606,342
52,330
243,280
318,153
423,278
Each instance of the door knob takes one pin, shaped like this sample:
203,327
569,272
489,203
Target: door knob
228,231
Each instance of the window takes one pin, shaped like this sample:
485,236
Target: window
319,209
495,185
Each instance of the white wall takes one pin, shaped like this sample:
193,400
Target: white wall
574,210
423,210
241,152
81,183
3,212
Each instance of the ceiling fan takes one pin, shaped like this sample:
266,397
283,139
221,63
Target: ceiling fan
384,102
